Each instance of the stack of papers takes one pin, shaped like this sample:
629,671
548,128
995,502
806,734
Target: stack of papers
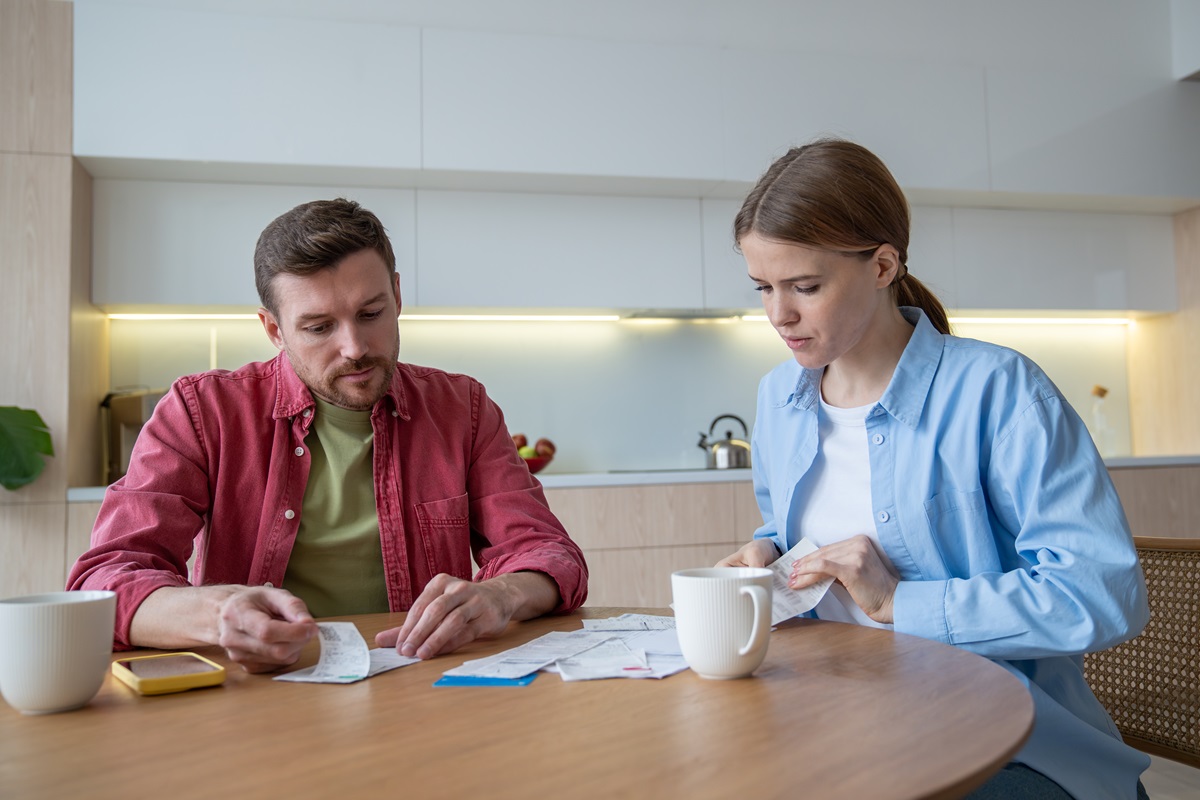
629,646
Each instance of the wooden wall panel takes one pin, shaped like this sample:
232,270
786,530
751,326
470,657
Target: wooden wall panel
35,76
1164,374
35,266
32,548
89,345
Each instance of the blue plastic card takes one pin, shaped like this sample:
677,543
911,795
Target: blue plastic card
468,680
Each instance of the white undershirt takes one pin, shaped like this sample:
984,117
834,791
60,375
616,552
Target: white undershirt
836,504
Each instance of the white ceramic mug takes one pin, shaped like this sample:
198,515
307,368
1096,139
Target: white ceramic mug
723,619
55,649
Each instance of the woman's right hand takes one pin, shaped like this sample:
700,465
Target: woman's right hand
756,553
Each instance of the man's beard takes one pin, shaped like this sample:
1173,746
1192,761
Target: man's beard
360,398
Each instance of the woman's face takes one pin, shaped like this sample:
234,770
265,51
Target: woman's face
822,303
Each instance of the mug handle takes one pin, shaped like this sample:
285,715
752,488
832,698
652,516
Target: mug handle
761,605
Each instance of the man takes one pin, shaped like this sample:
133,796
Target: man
330,480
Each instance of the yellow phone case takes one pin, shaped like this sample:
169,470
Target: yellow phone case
177,673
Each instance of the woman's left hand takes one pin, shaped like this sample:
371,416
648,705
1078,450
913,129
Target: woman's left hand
854,563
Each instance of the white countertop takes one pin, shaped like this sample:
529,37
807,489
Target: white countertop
570,480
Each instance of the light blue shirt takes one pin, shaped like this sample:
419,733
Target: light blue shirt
993,505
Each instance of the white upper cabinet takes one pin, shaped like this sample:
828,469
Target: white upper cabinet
726,284
161,83
927,122
1077,133
535,104
495,249
931,252
158,243
1063,260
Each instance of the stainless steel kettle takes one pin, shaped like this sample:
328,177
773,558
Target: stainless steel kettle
727,453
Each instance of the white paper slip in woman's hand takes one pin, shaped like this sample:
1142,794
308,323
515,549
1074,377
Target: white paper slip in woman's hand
787,602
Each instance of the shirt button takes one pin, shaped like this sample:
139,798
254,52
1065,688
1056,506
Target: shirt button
877,438
269,585
289,514
308,412
299,451
884,516
395,413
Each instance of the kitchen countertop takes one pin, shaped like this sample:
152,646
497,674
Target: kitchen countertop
572,480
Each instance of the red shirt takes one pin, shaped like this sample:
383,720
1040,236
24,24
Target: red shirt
222,466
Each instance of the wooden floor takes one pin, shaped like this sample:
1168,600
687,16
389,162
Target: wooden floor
1170,780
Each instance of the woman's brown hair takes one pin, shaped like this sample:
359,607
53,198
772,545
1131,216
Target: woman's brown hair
833,194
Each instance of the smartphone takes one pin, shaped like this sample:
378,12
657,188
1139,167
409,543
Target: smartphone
168,672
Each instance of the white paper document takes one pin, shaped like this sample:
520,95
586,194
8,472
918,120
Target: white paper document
345,657
531,656
630,622
787,602
609,659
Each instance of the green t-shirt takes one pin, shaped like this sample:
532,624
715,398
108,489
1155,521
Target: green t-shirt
336,565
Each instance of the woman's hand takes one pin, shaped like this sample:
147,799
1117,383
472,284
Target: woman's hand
756,553
856,564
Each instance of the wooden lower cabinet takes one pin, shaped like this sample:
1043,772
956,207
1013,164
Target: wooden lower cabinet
634,537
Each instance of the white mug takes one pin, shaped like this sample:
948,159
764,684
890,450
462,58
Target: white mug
723,619
55,649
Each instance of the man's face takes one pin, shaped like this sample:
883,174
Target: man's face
338,328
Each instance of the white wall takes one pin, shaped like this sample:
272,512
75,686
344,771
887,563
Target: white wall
624,395
1185,38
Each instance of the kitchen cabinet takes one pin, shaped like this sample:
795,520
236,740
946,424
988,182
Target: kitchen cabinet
170,84
928,122
497,249
1063,260
540,104
166,243
1081,133
634,537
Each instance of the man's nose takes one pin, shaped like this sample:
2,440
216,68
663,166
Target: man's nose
353,343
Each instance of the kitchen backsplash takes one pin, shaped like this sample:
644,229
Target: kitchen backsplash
618,395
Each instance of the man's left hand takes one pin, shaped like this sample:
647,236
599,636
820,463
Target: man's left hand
451,612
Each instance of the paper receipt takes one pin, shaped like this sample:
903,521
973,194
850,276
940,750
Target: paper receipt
787,602
345,657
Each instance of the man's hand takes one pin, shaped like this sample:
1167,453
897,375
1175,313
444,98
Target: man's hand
856,564
756,553
451,612
262,628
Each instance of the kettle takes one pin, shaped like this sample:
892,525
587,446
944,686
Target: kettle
728,453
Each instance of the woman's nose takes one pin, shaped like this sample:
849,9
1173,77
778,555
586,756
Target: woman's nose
779,311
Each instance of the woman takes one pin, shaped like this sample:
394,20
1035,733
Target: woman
952,491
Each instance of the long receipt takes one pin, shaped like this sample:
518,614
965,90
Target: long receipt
345,657
787,602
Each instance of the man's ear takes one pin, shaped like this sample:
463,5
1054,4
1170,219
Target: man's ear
396,290
271,326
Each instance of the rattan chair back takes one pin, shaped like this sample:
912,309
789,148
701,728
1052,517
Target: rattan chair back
1151,684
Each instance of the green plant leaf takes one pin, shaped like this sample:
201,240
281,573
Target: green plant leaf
24,438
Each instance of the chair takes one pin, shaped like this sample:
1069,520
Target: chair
1151,684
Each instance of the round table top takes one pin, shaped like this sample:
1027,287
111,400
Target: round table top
834,711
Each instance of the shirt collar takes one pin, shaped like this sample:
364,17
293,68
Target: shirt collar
293,395
908,390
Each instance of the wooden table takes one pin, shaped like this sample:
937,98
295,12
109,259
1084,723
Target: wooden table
835,711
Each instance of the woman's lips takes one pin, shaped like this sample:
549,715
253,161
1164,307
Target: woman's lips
795,343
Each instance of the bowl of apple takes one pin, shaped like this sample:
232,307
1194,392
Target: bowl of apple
537,455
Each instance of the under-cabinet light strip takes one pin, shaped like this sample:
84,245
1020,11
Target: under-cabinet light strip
617,318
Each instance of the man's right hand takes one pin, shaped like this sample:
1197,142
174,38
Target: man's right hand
260,627
263,628
755,553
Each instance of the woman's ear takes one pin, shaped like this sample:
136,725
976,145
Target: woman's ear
887,265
